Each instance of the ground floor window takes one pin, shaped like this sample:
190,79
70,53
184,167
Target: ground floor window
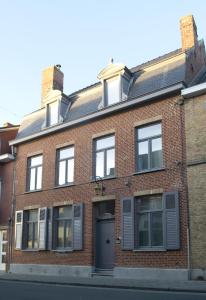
149,221
63,227
32,229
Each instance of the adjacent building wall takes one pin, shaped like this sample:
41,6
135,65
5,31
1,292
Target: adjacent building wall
195,123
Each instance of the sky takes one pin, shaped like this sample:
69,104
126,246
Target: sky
81,36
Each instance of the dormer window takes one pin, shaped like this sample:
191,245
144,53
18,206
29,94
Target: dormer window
112,90
115,79
52,113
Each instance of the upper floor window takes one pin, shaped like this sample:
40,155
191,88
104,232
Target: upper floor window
65,165
105,156
34,181
149,147
52,113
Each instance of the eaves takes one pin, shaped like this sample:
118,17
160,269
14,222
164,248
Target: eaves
101,113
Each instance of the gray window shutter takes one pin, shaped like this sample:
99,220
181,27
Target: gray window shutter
171,220
78,226
50,227
42,228
127,223
18,229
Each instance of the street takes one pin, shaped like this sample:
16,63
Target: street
11,290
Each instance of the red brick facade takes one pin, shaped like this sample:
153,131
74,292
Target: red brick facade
124,123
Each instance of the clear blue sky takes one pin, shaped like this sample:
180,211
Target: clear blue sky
81,36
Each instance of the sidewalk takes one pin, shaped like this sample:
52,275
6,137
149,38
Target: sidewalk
110,282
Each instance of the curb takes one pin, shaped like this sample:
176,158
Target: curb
98,285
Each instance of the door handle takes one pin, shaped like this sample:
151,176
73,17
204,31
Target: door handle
108,241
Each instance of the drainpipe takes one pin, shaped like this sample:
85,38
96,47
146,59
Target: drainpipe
12,210
185,184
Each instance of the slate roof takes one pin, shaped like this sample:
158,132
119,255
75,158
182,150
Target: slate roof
149,77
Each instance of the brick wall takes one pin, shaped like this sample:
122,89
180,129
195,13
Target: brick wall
195,124
172,178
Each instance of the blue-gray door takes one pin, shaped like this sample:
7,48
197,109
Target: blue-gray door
105,244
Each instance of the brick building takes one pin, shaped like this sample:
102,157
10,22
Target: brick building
195,124
101,181
7,132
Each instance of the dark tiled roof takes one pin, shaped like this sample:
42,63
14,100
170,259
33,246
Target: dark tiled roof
149,77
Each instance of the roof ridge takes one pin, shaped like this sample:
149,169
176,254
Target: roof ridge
157,59
134,69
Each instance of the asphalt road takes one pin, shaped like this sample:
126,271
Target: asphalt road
10,290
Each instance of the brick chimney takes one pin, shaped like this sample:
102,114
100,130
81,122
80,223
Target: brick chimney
188,32
52,79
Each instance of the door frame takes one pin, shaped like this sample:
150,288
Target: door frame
99,219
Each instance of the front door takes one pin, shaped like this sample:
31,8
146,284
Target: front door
105,244
3,245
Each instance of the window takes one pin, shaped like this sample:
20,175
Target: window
105,157
52,113
112,90
35,173
65,165
63,227
32,229
149,147
149,221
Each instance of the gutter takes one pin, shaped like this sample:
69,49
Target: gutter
196,90
101,113
4,158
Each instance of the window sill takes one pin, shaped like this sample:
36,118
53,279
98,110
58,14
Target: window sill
30,250
62,251
150,250
149,171
34,191
64,185
103,178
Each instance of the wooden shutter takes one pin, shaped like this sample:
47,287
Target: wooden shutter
42,228
127,223
50,228
171,220
18,229
78,226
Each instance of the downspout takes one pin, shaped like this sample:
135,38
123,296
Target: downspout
12,211
185,183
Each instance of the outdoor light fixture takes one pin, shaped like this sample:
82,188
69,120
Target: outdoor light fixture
99,188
